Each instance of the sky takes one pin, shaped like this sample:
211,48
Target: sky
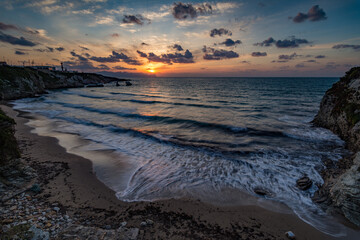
249,38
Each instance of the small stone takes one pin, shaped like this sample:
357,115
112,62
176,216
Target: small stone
48,225
290,235
108,227
143,224
149,222
57,209
123,224
263,192
304,183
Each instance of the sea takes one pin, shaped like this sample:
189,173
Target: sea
213,139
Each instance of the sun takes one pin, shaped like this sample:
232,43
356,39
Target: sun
151,70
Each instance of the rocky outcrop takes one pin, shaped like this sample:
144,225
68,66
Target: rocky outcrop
340,112
19,82
340,109
345,193
8,145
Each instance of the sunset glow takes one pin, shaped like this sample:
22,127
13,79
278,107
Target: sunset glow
223,38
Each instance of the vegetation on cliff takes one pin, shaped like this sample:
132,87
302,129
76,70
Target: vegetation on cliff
8,145
340,112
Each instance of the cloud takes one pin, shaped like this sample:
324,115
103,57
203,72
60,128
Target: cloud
116,57
183,11
311,61
47,49
84,48
259,54
17,52
314,14
219,32
177,47
16,41
218,54
300,65
229,42
5,27
144,44
266,43
60,49
320,56
123,68
135,19
50,6
115,35
291,42
169,58
103,67
355,47
288,57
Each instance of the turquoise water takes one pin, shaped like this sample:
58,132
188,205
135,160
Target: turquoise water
196,137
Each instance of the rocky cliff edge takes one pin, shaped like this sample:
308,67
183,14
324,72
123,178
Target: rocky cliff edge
340,112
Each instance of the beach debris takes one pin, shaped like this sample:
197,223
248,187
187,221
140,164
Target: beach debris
263,192
290,235
304,183
35,188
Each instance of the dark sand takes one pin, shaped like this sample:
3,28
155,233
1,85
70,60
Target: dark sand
69,180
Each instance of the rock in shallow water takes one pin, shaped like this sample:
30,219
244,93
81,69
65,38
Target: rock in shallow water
263,192
304,183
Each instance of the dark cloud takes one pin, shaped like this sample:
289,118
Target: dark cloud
103,67
288,57
291,42
16,41
314,14
110,59
229,42
184,11
219,32
123,68
84,48
115,35
266,43
259,54
247,62
79,57
320,56
17,52
311,61
300,65
136,19
142,54
47,49
355,47
218,54
5,27
169,58
177,47
144,44
60,49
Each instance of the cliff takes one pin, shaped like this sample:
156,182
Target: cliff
18,82
340,112
8,145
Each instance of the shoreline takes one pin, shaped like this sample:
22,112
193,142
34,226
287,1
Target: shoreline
70,188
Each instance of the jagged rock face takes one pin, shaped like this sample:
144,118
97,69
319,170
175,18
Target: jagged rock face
17,82
340,109
346,192
340,112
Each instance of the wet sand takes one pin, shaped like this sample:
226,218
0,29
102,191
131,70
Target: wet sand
69,180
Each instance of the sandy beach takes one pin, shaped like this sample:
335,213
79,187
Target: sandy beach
69,180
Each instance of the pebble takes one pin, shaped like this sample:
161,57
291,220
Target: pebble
57,209
143,224
290,235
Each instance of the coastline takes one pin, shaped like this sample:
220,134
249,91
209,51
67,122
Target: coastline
79,192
